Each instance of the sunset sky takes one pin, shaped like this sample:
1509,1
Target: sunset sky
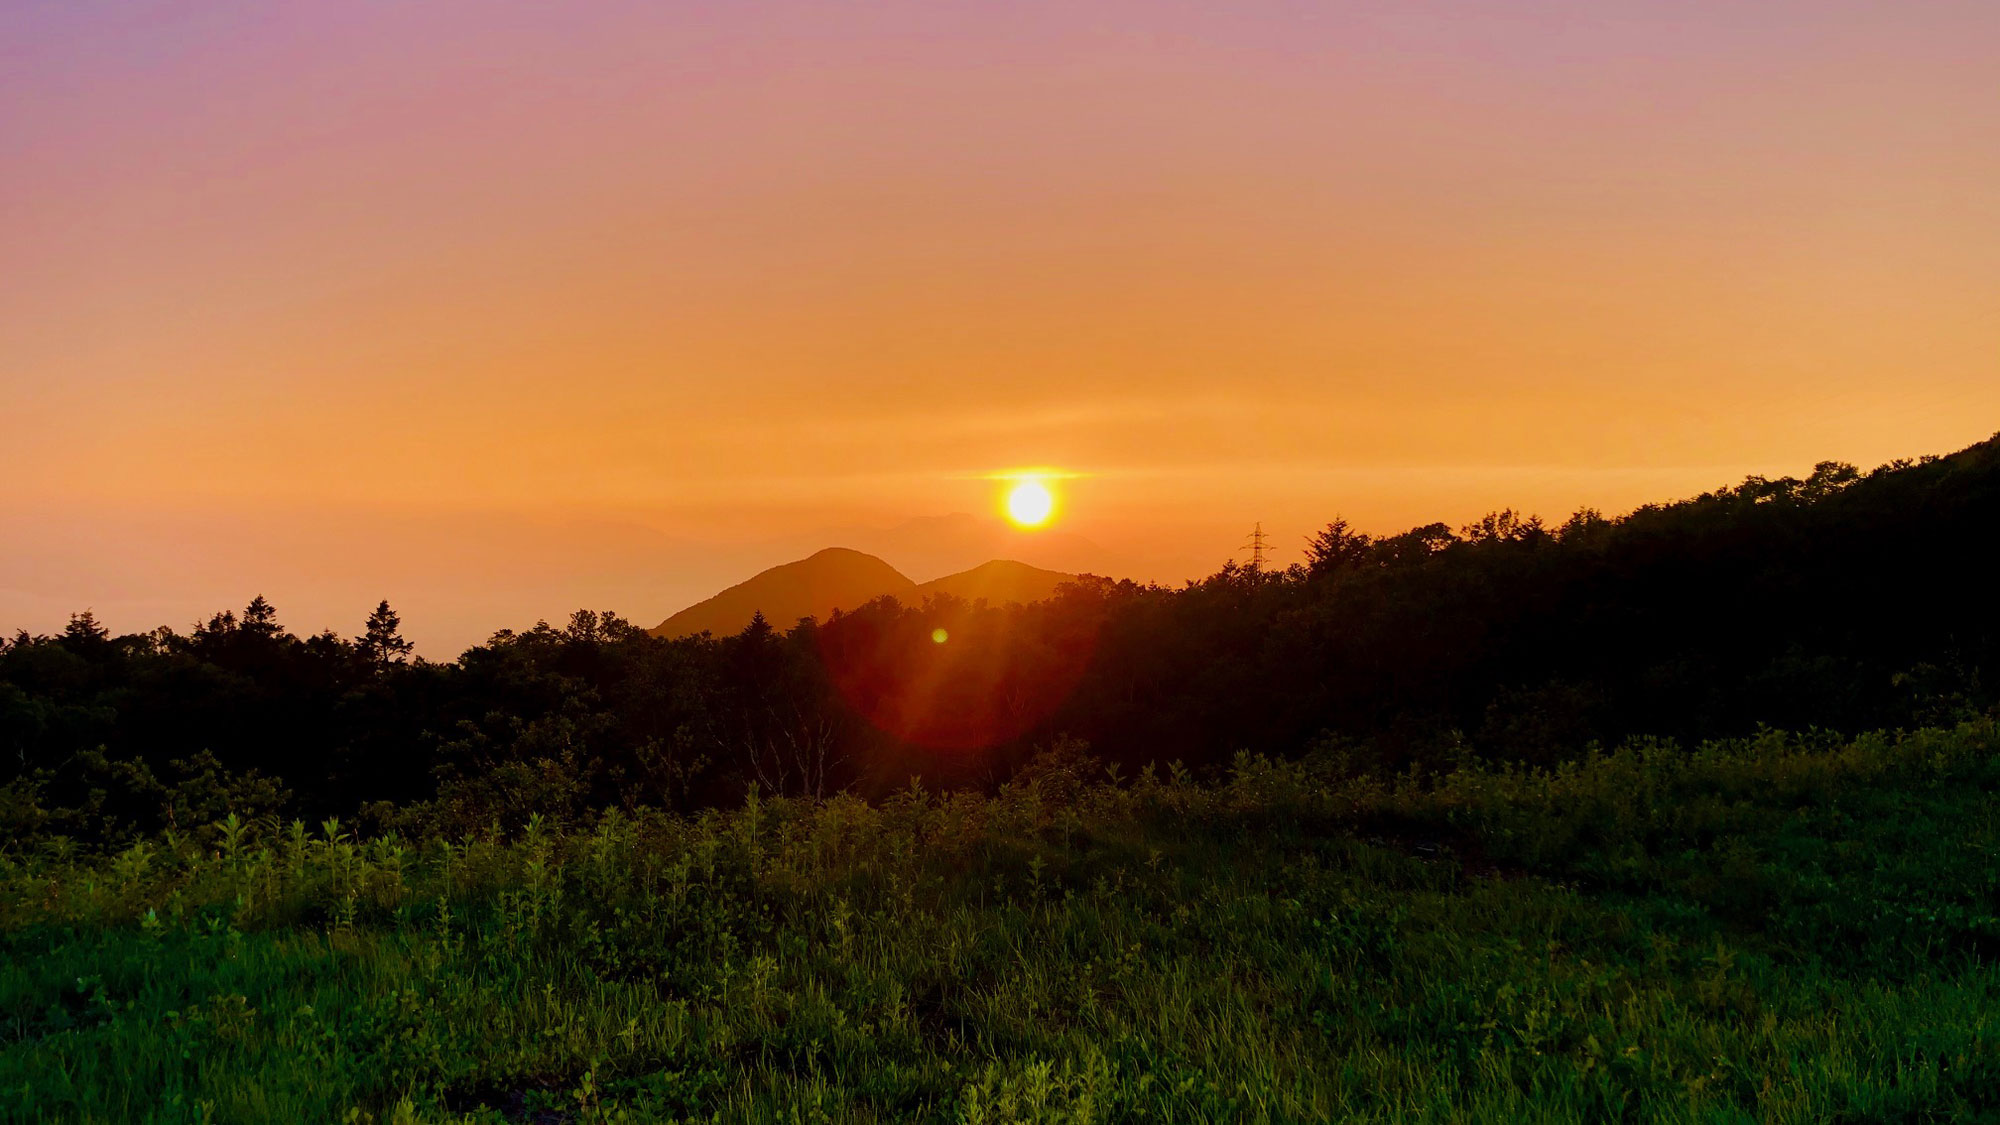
500,309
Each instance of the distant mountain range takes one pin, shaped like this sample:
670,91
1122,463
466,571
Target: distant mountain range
845,579
928,546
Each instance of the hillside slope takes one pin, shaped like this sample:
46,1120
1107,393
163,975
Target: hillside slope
845,579
1338,973
835,578
1002,580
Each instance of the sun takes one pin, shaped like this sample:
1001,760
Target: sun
1030,503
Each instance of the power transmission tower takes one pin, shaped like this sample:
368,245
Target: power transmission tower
1256,546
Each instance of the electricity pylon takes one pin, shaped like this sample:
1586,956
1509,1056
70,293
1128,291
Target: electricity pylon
1256,546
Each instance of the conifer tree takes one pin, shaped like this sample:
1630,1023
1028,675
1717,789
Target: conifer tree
383,642
260,618
84,630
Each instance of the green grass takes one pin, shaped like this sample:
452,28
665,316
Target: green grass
1771,930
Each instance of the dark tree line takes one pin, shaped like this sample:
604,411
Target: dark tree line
1843,601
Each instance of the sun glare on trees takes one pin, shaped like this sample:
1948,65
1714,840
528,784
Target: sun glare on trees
1030,503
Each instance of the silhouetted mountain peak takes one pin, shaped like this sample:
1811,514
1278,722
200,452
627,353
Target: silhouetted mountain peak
843,578
999,580
829,579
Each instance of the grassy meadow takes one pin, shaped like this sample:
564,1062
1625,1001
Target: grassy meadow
1775,929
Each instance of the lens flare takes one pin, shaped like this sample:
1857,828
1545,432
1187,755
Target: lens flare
1030,503
976,678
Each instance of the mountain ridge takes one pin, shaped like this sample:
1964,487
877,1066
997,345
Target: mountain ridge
842,578
998,580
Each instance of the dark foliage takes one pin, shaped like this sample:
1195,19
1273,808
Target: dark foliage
1844,600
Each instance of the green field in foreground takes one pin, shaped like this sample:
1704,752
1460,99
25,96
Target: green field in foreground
1775,929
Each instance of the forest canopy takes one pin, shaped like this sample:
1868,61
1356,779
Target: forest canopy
1845,601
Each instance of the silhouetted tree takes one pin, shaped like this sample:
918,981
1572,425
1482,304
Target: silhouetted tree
260,620
1504,526
1583,524
1845,600
1338,547
382,641
1414,546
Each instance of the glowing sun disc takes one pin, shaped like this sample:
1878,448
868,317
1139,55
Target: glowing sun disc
1030,503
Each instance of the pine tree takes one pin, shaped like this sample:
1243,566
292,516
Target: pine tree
260,618
84,629
383,641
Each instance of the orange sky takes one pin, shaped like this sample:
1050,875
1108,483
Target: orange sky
495,309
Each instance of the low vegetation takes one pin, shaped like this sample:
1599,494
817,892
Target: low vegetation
584,874
1775,929
1845,600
